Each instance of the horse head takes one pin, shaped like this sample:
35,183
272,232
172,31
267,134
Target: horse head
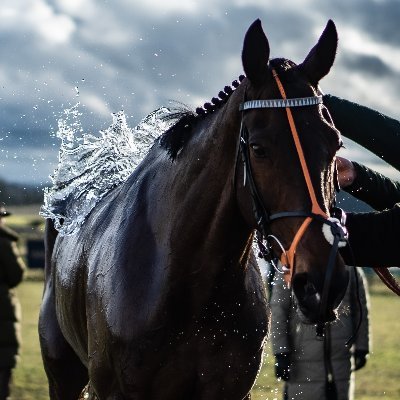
287,186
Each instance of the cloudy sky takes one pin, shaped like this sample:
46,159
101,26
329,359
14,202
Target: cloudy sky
137,55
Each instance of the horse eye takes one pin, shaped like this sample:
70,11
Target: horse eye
258,150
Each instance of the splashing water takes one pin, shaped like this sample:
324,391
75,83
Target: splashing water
90,166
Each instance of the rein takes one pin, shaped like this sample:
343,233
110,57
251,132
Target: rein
263,219
388,279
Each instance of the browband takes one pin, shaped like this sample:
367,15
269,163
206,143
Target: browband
281,103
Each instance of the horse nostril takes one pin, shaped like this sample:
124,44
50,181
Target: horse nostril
306,293
310,289
302,286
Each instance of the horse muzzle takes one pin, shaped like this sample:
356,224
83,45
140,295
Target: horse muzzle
308,298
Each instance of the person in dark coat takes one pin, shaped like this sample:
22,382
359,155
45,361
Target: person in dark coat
315,368
11,274
376,231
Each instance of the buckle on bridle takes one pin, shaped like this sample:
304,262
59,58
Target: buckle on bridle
337,223
266,252
339,214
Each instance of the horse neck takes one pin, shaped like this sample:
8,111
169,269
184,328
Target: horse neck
206,172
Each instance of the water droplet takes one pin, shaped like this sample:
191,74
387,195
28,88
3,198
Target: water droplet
106,159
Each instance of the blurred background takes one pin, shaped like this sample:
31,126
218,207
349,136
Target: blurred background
137,56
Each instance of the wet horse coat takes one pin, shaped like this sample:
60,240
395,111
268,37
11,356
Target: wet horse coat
155,297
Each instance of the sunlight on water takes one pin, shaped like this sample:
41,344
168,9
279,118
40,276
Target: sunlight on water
91,165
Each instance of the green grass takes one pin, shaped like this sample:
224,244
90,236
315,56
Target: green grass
380,379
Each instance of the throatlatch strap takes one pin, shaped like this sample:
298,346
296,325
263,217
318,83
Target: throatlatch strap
315,209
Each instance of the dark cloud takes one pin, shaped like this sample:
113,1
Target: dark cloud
367,64
381,19
132,56
377,19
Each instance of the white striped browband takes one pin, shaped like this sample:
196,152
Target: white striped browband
281,103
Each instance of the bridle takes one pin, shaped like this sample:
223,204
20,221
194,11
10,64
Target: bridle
264,219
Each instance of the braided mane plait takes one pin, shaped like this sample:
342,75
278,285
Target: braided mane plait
223,96
175,138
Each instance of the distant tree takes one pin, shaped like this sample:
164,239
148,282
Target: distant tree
20,194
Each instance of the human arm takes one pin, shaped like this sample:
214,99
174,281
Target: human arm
367,185
373,238
374,131
369,128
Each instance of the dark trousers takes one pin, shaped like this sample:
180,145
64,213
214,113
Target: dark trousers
5,381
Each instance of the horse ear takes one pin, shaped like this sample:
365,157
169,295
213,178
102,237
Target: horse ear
320,59
255,53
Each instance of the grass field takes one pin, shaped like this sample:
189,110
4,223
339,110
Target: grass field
380,379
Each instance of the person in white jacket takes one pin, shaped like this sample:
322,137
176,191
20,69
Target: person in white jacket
315,368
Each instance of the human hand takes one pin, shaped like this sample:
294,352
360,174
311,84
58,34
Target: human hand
346,171
360,359
282,366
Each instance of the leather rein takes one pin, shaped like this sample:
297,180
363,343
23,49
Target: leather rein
264,219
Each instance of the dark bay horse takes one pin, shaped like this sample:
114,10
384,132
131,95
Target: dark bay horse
154,297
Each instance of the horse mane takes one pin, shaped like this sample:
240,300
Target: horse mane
174,139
